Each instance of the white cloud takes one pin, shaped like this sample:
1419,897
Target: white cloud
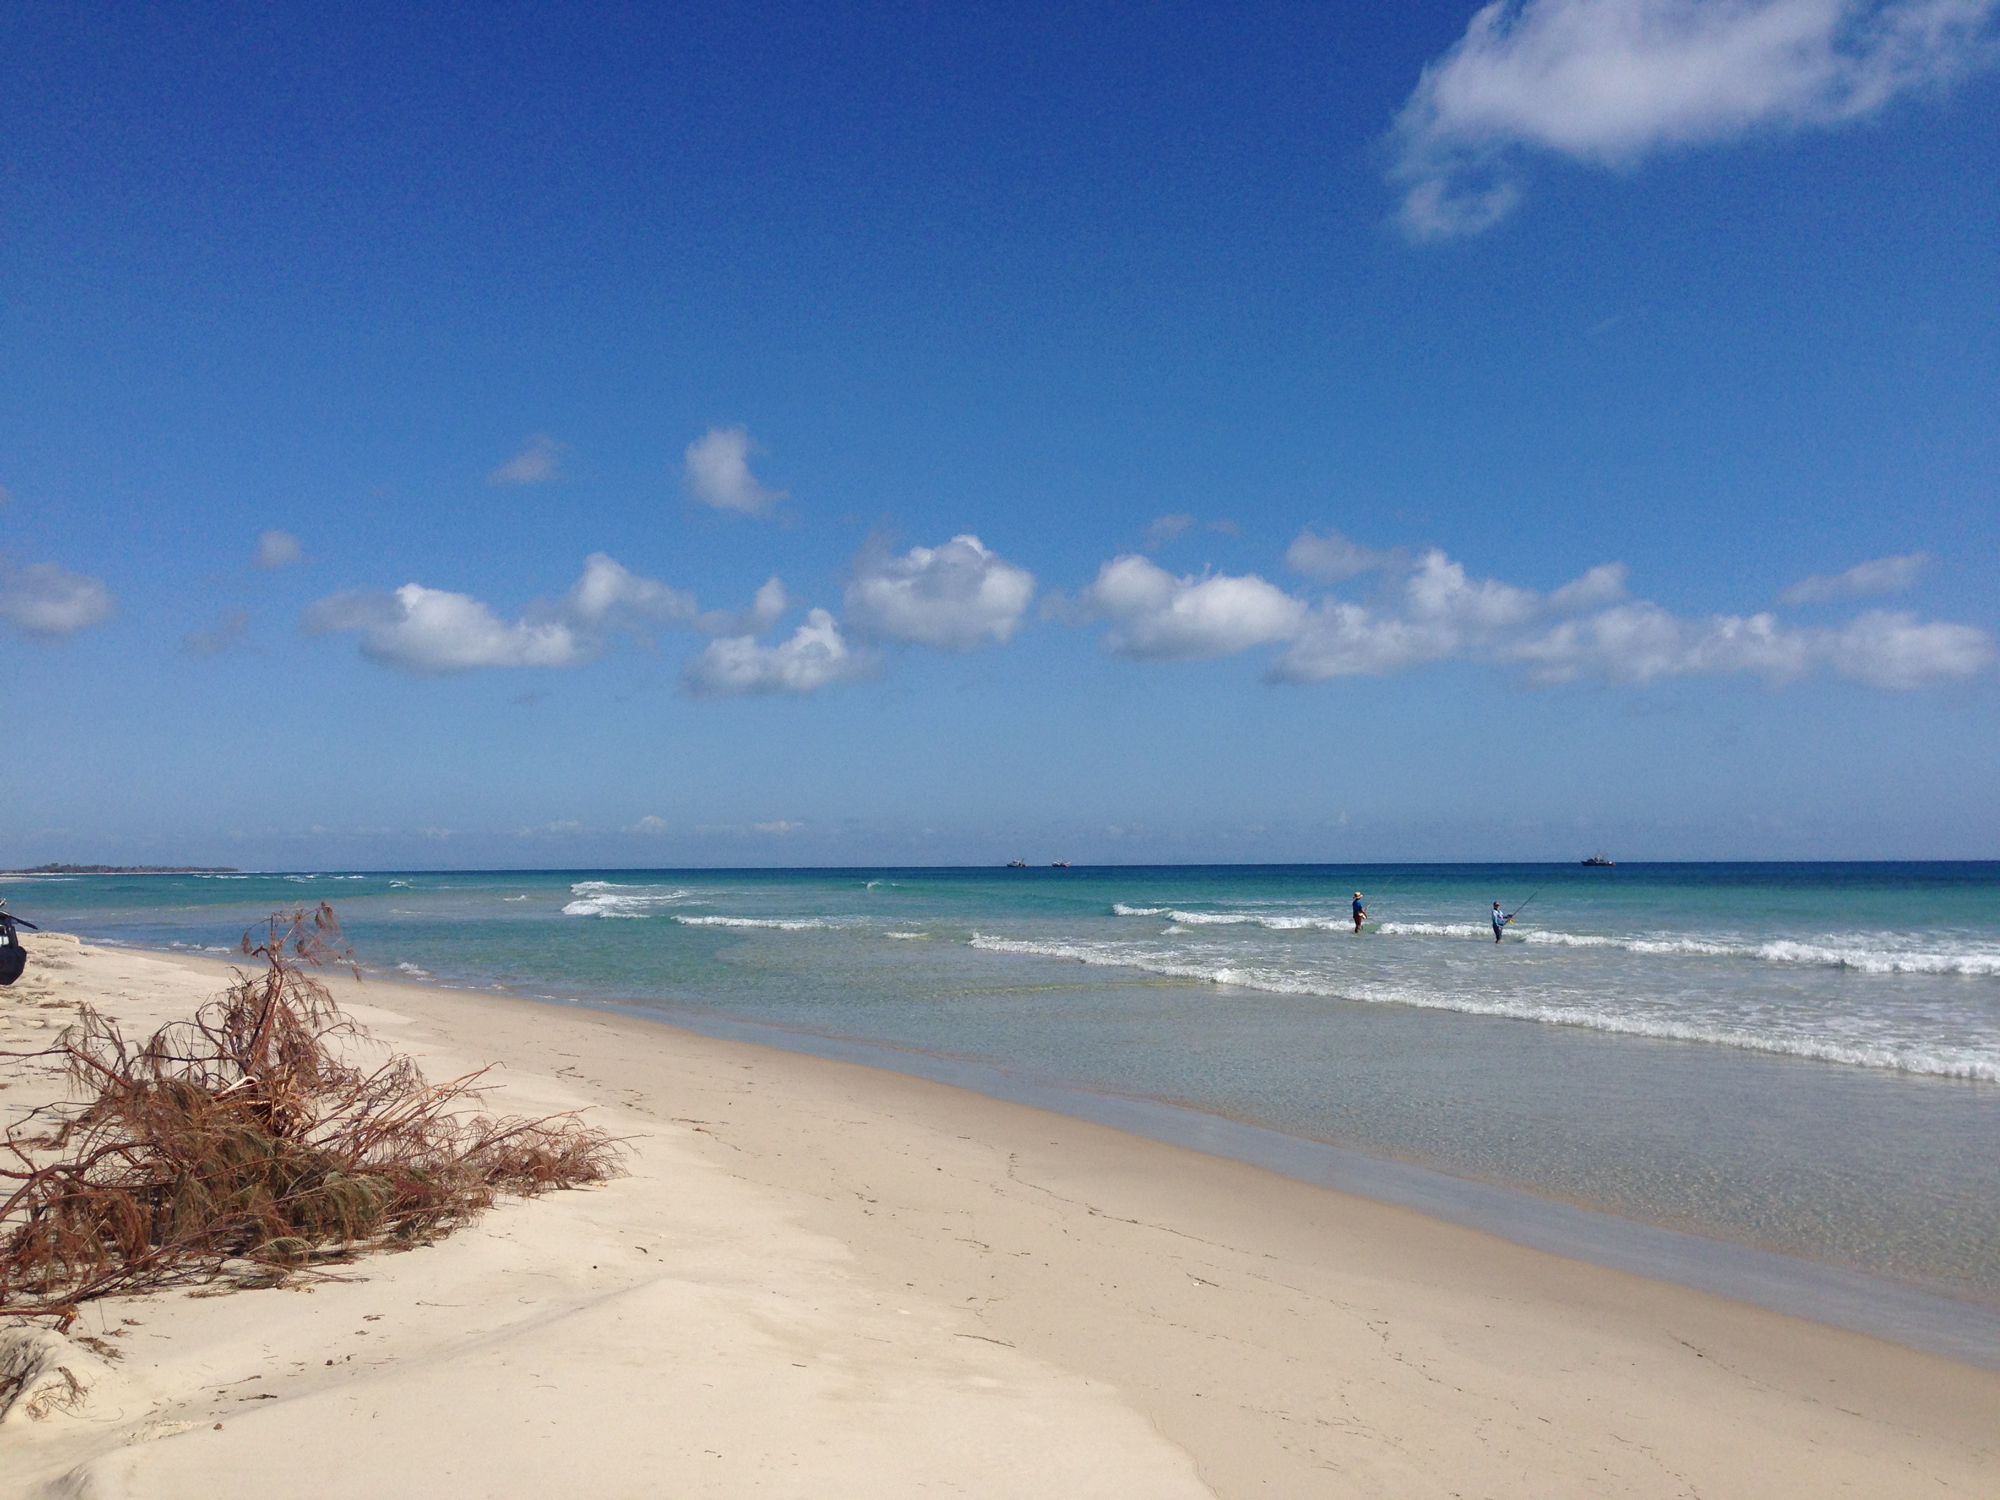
718,473
1440,592
766,609
429,631
1345,640
277,549
48,601
1603,584
1609,82
816,656
1586,630
608,596
779,828
1436,612
539,461
1897,650
1883,575
228,634
1153,614
1643,643
1330,558
956,596
651,825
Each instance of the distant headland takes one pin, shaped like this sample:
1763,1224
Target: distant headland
127,870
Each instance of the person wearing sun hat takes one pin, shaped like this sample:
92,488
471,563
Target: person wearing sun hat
1360,913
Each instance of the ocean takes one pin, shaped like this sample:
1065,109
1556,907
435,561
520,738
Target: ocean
1794,1058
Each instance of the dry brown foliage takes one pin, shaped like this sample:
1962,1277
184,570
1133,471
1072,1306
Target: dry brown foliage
249,1134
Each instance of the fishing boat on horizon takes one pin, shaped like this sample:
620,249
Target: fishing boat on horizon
1601,858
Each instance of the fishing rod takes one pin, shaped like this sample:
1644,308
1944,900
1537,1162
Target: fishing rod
1524,905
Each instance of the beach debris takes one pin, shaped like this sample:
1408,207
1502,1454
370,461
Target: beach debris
42,1373
257,1141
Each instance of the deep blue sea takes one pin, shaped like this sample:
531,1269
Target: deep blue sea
1804,1058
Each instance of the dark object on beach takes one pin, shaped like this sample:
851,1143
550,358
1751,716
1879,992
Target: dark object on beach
1601,858
13,957
246,1144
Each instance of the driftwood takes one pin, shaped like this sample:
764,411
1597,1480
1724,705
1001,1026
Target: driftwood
247,1143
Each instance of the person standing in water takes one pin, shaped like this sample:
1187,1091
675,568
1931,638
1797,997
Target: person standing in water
1360,913
1499,921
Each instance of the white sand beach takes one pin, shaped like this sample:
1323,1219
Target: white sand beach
820,1279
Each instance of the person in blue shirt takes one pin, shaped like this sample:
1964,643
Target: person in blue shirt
1360,913
1499,921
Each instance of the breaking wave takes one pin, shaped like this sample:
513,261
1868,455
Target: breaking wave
779,924
1977,1063
1128,956
603,898
1974,962
1268,921
1256,919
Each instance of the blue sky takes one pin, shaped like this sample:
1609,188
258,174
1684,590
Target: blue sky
1435,434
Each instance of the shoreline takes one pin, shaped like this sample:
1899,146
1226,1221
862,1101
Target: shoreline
826,1278
1823,1292
1921,1318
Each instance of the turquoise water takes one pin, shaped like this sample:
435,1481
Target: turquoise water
1804,1058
